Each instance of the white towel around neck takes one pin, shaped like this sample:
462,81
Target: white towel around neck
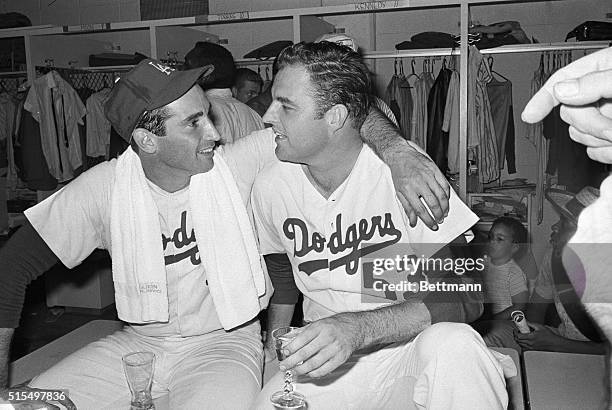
224,236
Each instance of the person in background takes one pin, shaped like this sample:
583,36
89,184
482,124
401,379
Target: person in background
232,118
575,332
505,284
584,90
355,353
247,85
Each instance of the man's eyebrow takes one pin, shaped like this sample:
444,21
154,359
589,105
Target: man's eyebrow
284,100
193,117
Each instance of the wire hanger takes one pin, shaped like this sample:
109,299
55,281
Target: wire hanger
413,73
490,61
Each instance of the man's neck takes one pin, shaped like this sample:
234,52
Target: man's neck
166,179
329,174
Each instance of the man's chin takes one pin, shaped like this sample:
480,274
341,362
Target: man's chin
281,154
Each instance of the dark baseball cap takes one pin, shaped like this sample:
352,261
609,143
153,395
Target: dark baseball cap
149,85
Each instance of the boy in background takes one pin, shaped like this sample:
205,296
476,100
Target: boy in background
505,284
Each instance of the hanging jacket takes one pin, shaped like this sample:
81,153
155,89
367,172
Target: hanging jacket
423,87
398,98
437,140
30,160
56,106
500,98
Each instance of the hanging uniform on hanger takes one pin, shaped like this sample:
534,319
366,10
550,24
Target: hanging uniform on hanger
59,111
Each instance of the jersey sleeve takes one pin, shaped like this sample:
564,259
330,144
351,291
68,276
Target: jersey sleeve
71,221
268,236
249,155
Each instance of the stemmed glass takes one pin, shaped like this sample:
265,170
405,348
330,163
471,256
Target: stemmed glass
286,398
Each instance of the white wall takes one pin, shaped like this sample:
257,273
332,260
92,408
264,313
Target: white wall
548,21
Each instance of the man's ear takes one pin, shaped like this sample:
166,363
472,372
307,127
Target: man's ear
336,116
146,140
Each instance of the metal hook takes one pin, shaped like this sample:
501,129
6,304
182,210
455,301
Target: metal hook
395,66
412,62
402,67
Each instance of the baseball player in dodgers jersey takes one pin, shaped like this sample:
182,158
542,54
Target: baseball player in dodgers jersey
328,197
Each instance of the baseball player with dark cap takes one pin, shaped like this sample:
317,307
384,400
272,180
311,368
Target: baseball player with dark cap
178,296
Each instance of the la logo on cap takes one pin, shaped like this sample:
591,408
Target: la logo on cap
162,68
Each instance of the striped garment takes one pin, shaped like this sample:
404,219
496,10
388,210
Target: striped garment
501,283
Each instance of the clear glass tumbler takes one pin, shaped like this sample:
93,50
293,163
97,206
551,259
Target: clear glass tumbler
138,368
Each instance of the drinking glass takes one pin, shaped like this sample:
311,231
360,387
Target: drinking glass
286,398
138,368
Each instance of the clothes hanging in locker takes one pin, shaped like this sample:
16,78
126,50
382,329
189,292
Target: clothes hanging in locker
536,136
450,123
12,179
500,98
437,139
59,111
480,121
398,98
7,118
29,157
422,89
568,158
98,126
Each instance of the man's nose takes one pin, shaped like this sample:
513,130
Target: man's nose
210,131
271,115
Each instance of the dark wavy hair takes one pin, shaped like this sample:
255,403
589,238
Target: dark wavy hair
338,76
520,236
